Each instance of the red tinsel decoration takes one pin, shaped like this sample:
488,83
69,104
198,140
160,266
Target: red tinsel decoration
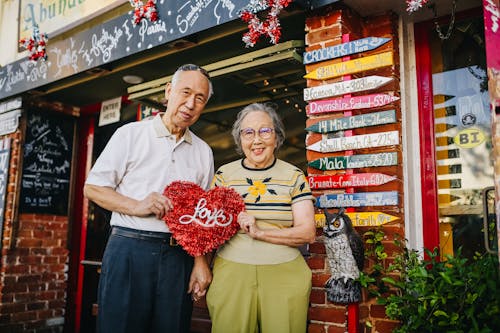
414,5
35,44
202,221
142,10
256,28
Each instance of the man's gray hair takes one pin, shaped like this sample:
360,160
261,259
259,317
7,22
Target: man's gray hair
196,68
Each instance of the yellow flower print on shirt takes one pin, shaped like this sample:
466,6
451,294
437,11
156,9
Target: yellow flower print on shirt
258,188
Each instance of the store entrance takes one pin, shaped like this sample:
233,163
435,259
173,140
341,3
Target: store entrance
457,127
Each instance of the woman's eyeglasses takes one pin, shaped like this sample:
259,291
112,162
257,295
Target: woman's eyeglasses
193,67
249,133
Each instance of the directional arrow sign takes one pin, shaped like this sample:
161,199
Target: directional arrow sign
389,198
355,161
361,219
348,180
356,142
351,66
345,49
364,120
345,87
349,103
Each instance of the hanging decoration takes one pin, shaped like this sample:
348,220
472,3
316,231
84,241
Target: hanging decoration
141,10
35,44
414,5
256,28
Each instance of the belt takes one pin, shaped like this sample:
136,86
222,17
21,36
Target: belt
145,235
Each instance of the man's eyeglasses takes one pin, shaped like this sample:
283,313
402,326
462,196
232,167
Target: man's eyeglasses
249,133
193,67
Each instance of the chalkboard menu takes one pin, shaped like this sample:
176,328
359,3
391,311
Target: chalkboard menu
47,156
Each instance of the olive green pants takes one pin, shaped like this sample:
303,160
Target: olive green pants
259,298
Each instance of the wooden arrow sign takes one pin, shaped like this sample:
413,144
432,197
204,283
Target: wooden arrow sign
356,142
360,219
345,87
447,153
364,120
345,49
348,180
449,169
349,103
388,198
351,66
355,161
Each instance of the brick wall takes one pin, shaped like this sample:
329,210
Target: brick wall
323,29
33,271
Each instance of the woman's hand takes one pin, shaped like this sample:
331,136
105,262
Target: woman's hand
246,221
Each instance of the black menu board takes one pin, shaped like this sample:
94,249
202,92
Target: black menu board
47,160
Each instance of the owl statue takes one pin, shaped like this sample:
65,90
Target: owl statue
345,252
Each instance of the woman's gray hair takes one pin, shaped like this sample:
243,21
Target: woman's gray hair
279,129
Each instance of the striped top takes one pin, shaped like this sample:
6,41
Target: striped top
268,194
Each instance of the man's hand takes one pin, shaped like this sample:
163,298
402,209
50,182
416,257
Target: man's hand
155,204
201,276
106,197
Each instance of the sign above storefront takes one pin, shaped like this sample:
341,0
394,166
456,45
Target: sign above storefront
56,16
115,39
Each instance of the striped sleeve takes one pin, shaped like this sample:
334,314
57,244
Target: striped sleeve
301,189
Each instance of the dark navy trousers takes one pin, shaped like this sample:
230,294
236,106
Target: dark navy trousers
143,287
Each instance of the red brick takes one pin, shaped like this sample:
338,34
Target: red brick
323,35
319,280
317,247
385,326
313,23
12,308
328,314
377,311
23,316
316,328
317,297
316,262
29,243
333,18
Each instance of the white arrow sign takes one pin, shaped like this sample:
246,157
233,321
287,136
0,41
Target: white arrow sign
345,87
356,142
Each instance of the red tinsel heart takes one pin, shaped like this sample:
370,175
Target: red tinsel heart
202,221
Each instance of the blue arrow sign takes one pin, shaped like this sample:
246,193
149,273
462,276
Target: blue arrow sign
388,198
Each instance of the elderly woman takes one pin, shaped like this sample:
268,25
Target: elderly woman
261,282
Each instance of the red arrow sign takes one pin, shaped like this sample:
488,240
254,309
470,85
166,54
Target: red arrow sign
350,103
348,180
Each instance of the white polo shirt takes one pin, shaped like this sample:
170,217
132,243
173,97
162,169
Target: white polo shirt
144,157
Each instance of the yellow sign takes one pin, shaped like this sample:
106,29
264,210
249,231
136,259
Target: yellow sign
351,66
469,138
360,219
54,17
